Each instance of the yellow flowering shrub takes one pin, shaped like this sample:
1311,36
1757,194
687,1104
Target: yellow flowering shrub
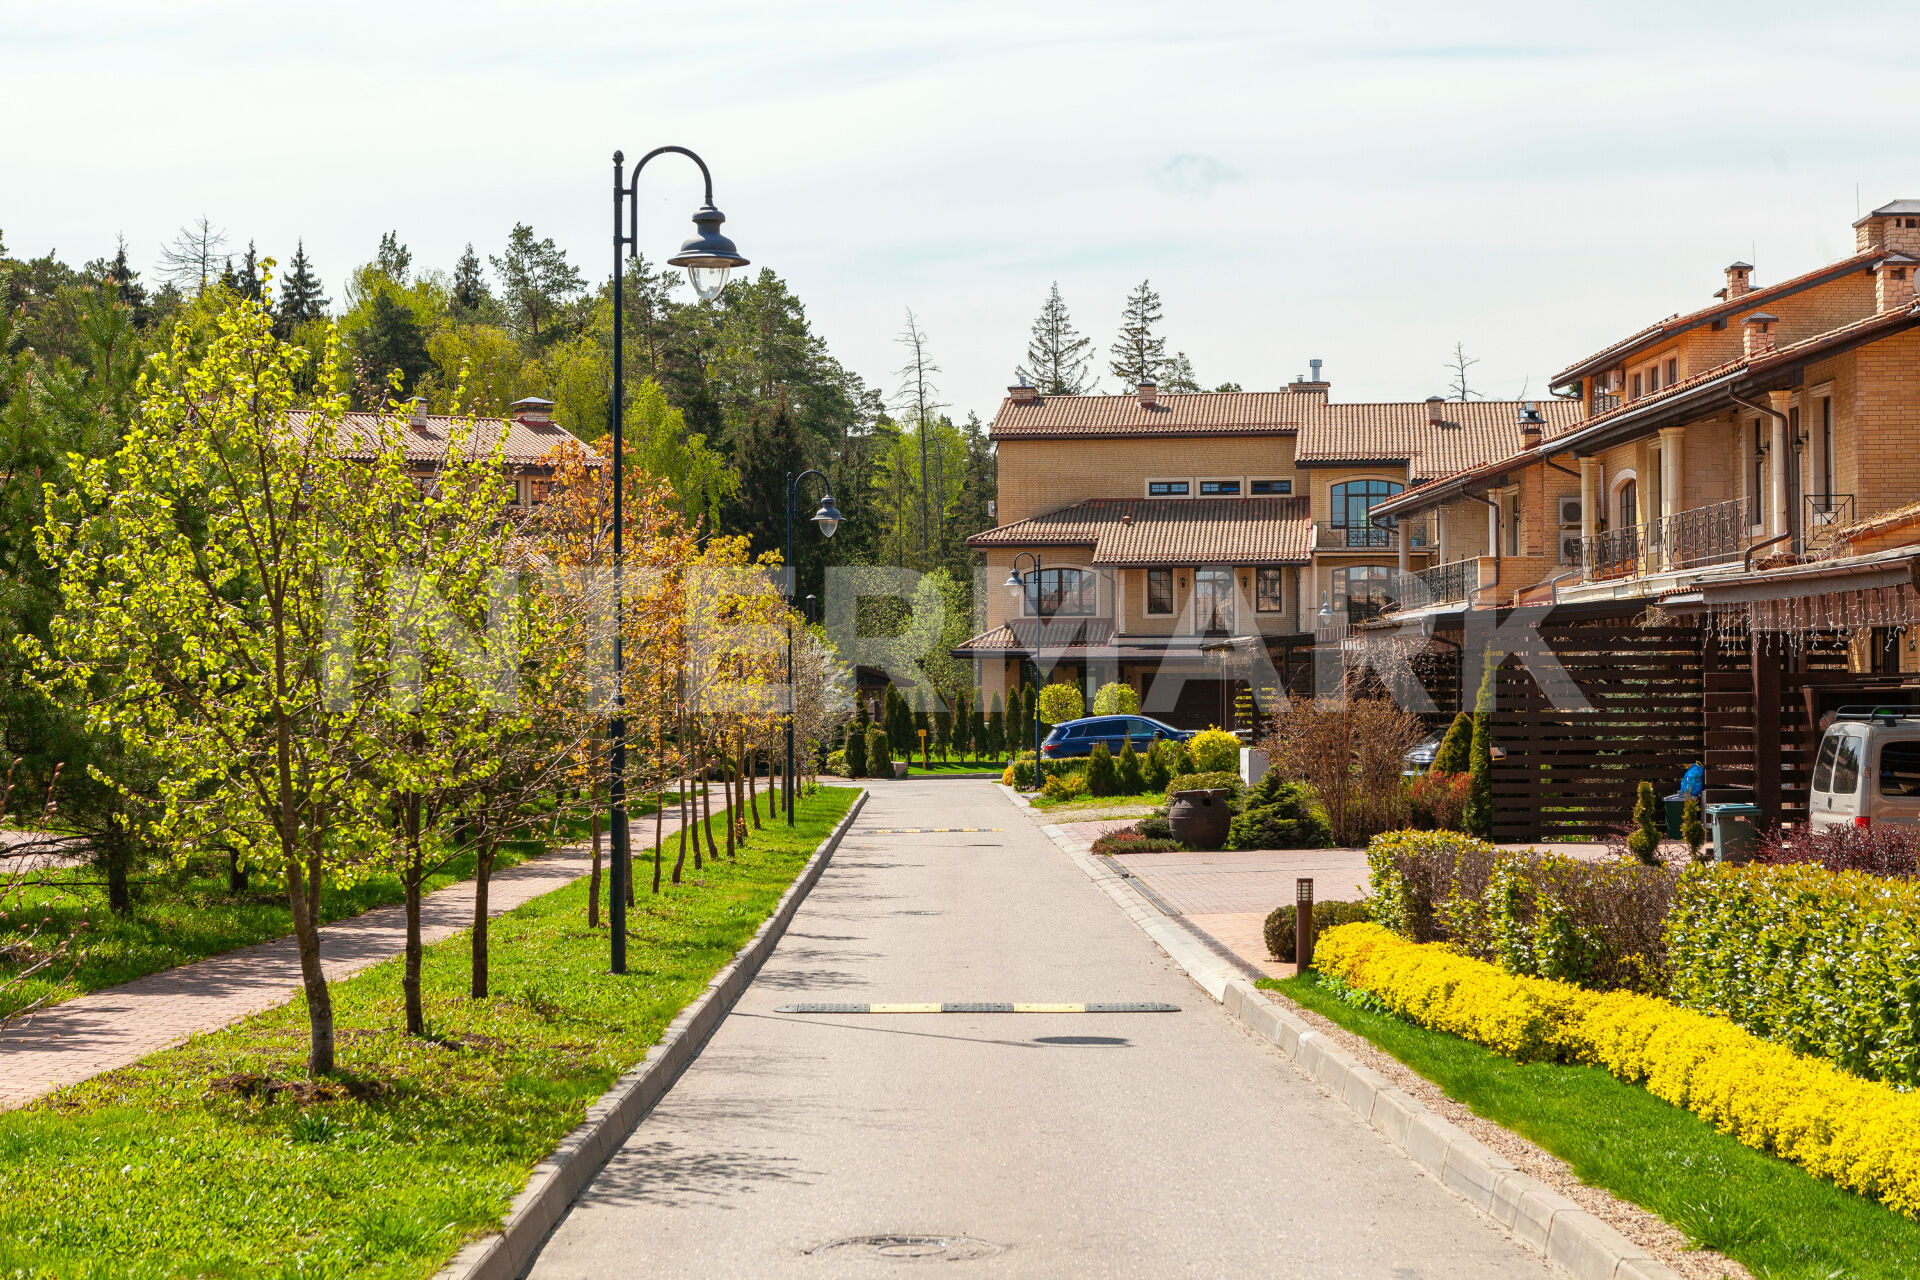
1860,1134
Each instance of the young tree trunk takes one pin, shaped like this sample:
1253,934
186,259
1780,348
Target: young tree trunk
593,883
114,861
686,827
410,976
659,835
706,811
306,934
729,780
753,789
236,874
483,871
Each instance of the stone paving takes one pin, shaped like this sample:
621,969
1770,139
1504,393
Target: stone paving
112,1028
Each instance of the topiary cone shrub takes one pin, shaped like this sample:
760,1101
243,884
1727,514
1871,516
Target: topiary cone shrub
1478,818
1116,699
879,753
1644,843
1456,749
1132,778
1102,779
1159,765
856,751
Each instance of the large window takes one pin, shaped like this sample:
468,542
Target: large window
1271,593
1352,501
1213,599
1062,593
1362,591
1159,592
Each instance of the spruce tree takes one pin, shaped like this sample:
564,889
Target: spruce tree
301,299
1057,355
470,298
391,340
394,259
1178,375
962,726
1139,354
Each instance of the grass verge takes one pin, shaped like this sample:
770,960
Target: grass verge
188,914
1144,802
982,768
219,1159
1772,1217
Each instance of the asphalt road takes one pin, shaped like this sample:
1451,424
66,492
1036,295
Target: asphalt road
1145,1144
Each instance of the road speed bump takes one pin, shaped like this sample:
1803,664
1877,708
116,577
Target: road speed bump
966,1006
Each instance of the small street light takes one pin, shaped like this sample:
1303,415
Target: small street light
709,257
827,519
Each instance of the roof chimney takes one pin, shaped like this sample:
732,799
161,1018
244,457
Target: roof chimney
1315,366
1737,282
1893,226
1530,424
1893,282
1023,394
533,411
1759,340
1313,384
417,411
1436,412
1148,394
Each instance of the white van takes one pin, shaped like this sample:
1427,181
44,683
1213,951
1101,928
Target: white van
1868,769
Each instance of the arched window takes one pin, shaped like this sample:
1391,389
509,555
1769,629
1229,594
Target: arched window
1629,504
1351,502
1062,593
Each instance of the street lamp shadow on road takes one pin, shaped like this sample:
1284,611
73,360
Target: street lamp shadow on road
709,258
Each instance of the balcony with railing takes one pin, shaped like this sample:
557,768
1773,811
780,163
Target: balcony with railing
1442,584
1719,533
1331,535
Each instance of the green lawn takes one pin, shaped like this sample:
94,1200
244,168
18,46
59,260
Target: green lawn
188,914
1140,803
1771,1216
982,767
218,1159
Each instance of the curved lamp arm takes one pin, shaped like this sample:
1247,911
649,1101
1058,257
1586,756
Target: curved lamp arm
633,189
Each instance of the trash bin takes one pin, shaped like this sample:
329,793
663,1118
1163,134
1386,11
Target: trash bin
1676,811
1735,831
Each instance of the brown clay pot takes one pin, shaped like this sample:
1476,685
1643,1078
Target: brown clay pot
1200,818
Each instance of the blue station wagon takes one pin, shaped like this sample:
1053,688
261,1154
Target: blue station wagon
1077,737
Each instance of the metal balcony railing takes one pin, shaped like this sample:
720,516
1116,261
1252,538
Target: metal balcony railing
1713,534
1333,536
1442,584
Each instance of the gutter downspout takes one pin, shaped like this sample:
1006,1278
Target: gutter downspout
1792,517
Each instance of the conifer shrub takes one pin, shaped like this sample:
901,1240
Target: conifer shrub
856,750
1644,843
879,753
1456,748
1692,830
1158,767
1478,818
1102,778
1132,779
1279,814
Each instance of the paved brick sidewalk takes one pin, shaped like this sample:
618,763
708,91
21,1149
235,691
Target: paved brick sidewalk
112,1028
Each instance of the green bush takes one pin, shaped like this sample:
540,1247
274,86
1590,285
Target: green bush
1207,782
1598,924
1215,751
1133,842
1692,830
1282,929
1060,703
1822,962
1064,786
1102,778
1132,779
1644,843
855,752
1154,827
1279,814
1456,749
837,763
1116,699
1159,765
1022,768
879,753
1478,818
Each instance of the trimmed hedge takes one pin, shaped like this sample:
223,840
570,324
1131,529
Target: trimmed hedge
1822,962
1600,924
1862,1135
1282,932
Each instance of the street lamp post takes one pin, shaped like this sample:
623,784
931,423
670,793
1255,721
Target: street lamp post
708,257
1017,584
827,519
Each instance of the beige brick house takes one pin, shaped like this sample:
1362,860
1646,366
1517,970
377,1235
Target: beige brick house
1758,428
1188,544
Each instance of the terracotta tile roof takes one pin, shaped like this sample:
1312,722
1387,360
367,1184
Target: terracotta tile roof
1053,634
1470,433
1753,298
1132,532
527,443
1205,413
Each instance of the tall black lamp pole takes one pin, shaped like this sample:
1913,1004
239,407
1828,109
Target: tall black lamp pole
1017,584
708,257
828,519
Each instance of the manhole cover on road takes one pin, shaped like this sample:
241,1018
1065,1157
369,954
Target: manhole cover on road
908,1248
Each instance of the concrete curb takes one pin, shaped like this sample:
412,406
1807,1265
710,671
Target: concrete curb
562,1176
1540,1217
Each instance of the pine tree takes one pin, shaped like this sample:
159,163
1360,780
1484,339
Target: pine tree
391,340
1178,375
537,285
470,298
1057,355
394,259
300,297
1139,355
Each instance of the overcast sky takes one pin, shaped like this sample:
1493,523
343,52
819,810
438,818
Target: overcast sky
1365,183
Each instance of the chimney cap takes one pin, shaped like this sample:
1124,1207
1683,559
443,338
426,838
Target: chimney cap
1897,260
532,403
1023,393
1761,317
1895,209
1739,266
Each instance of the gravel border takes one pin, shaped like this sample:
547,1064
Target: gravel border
562,1176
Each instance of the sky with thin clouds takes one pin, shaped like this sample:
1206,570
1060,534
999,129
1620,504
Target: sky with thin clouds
1367,183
